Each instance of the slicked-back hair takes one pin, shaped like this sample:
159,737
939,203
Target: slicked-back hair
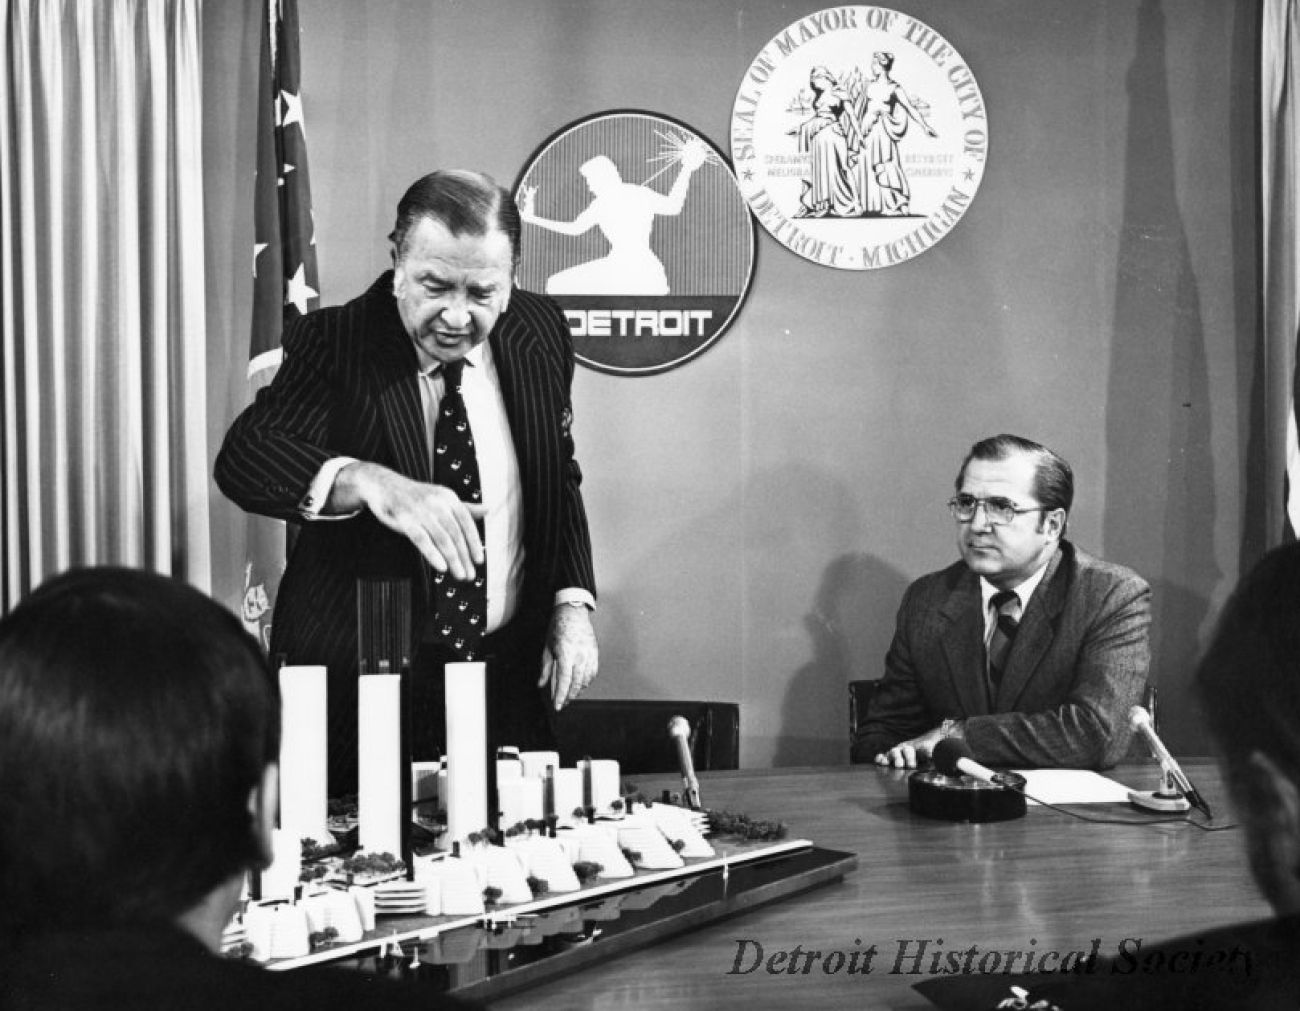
136,717
1053,477
1248,679
465,202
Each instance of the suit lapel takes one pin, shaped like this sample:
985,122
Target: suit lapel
1034,636
398,391
961,637
525,389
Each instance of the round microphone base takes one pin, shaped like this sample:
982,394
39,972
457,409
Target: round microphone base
963,798
1158,800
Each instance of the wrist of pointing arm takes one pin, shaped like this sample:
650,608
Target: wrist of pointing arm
356,487
575,596
318,503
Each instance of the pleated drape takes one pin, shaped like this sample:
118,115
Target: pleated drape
102,400
1280,310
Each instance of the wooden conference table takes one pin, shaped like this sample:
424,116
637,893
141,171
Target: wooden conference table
1045,878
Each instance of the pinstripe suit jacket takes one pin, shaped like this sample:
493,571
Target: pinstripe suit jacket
348,387
1078,664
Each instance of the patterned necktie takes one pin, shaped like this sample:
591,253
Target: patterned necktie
460,608
1007,606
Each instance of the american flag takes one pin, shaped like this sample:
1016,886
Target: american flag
285,283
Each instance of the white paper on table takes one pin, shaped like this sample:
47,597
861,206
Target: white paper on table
1072,786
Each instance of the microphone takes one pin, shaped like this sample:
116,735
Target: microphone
952,757
1140,720
680,731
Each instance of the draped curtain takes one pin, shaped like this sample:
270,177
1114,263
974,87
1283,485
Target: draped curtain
1279,134
102,402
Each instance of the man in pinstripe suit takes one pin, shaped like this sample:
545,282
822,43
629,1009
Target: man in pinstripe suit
340,442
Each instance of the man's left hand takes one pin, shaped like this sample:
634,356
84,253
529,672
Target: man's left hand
910,754
571,658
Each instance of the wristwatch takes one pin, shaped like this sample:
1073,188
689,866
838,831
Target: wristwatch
950,728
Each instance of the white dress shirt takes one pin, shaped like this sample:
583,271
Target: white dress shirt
1023,591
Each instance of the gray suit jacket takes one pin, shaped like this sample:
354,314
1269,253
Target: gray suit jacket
1078,664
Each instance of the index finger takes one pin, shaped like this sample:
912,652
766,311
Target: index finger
456,536
449,540
562,677
424,543
466,518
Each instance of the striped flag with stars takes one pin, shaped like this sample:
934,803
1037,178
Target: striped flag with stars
285,283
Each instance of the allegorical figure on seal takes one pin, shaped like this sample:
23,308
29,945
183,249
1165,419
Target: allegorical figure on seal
887,110
852,139
827,136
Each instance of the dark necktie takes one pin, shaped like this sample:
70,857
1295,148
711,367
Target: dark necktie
460,608
1006,603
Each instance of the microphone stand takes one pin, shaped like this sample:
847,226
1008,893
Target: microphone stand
1168,797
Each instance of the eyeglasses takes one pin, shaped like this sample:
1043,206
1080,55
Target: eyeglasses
999,510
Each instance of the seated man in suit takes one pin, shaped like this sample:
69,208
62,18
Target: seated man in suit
139,741
1249,688
1030,649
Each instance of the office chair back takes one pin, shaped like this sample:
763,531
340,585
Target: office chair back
635,732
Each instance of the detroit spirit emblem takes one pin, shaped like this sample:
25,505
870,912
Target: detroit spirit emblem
634,223
859,137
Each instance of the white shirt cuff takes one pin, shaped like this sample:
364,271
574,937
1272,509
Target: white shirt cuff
318,492
575,595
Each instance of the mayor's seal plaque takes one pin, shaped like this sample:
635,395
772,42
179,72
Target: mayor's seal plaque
859,137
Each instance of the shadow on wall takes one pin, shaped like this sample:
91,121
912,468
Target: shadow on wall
1160,497
713,608
850,626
